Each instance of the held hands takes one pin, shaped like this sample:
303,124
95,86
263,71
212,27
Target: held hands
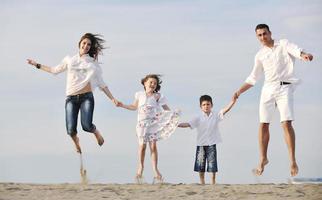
117,103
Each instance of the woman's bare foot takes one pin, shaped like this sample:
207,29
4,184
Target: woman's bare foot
99,138
76,142
294,169
260,169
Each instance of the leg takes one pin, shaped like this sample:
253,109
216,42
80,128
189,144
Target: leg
289,136
212,166
87,110
71,115
263,139
154,160
141,154
202,177
200,163
213,177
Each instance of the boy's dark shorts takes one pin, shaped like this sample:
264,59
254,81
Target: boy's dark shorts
203,154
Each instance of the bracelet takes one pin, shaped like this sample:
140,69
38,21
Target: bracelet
38,65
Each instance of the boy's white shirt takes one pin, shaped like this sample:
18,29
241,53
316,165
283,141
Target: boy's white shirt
207,128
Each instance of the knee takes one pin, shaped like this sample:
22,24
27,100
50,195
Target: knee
287,125
88,127
264,126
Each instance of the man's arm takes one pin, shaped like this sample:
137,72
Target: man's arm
306,56
241,90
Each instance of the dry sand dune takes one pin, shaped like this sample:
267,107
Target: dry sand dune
16,191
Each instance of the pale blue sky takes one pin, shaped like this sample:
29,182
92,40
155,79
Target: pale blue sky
200,47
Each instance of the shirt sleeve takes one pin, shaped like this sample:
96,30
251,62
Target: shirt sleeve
194,122
61,67
99,79
256,72
292,49
162,100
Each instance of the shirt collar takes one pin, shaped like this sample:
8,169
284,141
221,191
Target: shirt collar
205,115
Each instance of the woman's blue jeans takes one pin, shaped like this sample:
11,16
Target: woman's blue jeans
83,103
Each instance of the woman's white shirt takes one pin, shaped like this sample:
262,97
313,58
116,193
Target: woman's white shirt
81,70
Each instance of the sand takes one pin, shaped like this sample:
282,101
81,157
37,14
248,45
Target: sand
19,191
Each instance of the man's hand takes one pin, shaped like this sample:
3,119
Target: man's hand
306,56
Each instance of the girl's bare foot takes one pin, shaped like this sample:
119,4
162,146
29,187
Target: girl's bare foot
158,179
76,142
260,169
99,138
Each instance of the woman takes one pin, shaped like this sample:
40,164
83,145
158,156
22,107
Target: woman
83,75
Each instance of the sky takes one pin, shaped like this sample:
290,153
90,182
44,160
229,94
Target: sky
199,47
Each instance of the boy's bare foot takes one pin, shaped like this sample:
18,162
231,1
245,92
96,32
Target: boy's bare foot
294,169
99,138
260,169
76,142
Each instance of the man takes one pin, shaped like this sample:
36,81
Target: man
276,61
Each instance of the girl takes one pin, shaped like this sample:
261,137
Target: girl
83,75
153,124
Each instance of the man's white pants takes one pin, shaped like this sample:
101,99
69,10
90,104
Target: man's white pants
277,96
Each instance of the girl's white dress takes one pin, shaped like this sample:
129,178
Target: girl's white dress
154,123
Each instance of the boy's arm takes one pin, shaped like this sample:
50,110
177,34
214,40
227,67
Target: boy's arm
184,125
229,106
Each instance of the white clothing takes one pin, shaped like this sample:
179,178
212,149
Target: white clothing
277,64
80,71
276,95
154,124
207,128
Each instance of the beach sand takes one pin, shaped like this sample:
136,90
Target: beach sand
20,191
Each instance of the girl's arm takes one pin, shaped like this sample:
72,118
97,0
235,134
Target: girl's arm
133,106
184,125
165,107
52,70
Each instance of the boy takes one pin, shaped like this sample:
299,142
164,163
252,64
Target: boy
208,136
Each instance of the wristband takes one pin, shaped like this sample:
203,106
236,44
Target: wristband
38,65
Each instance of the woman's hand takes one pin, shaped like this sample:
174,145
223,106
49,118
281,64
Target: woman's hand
31,62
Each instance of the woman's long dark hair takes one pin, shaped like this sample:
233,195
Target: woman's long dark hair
96,44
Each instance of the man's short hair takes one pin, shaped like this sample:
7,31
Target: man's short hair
205,98
262,26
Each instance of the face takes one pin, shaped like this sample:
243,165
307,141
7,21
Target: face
264,36
85,46
206,106
150,85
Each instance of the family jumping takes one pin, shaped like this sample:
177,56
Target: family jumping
156,121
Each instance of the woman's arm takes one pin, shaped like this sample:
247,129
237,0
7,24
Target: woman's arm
109,95
52,70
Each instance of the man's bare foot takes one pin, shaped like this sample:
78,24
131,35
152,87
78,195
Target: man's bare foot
294,169
260,169
76,142
99,138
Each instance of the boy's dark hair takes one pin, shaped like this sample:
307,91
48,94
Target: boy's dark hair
205,98
156,77
262,26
